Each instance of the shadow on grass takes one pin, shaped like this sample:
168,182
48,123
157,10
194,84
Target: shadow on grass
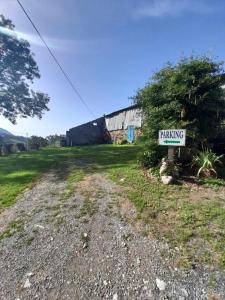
217,182
190,177
19,170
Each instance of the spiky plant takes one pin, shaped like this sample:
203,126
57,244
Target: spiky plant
206,161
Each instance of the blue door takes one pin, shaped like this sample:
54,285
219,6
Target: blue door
130,134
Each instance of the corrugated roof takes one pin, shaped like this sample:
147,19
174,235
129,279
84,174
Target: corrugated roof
121,110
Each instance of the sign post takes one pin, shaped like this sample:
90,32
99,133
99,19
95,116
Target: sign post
171,154
172,138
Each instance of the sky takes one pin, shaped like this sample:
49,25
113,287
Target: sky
109,48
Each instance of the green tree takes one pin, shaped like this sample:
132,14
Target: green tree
17,70
54,139
36,142
186,95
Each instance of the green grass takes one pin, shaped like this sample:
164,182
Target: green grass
73,177
19,171
196,227
89,208
12,227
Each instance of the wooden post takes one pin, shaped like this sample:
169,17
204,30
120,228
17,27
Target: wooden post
179,151
171,154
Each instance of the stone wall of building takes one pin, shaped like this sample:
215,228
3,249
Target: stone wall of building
120,135
137,133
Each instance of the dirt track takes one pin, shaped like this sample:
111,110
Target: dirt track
83,247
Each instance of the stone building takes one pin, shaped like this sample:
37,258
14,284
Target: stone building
124,124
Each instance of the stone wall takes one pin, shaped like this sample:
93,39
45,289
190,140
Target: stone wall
137,133
120,135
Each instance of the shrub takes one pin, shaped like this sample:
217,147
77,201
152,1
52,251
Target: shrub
151,155
206,161
154,171
21,147
140,140
185,95
123,142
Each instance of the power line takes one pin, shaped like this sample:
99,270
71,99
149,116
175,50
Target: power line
56,61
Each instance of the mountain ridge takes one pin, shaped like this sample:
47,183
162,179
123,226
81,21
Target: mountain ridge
7,137
4,132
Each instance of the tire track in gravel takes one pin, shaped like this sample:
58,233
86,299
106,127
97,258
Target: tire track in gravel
82,247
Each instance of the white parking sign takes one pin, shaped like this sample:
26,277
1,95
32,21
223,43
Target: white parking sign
172,137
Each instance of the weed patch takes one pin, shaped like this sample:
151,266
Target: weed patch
15,226
89,208
74,176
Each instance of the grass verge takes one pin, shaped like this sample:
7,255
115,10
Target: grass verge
194,225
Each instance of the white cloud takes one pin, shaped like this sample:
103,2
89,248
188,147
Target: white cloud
21,35
65,45
160,8
56,38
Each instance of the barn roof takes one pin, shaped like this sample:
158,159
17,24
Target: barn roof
107,116
121,110
89,122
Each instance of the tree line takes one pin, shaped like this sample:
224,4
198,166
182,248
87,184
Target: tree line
37,142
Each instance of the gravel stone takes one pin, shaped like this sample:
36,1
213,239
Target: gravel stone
27,284
161,285
115,297
60,267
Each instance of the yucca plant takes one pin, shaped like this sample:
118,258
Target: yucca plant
206,161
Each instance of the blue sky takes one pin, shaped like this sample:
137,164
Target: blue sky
109,48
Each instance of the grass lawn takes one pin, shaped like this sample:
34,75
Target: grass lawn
19,171
189,217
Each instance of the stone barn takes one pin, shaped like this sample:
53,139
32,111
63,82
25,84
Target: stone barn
124,124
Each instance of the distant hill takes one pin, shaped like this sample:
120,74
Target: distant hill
4,132
7,137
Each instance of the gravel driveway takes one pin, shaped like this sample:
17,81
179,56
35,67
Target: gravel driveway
57,246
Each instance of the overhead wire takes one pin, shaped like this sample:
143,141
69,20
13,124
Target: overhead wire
67,77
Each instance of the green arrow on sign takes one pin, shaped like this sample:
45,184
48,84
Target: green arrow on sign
171,142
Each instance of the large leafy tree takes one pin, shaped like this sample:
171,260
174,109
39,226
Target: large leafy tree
17,70
186,95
